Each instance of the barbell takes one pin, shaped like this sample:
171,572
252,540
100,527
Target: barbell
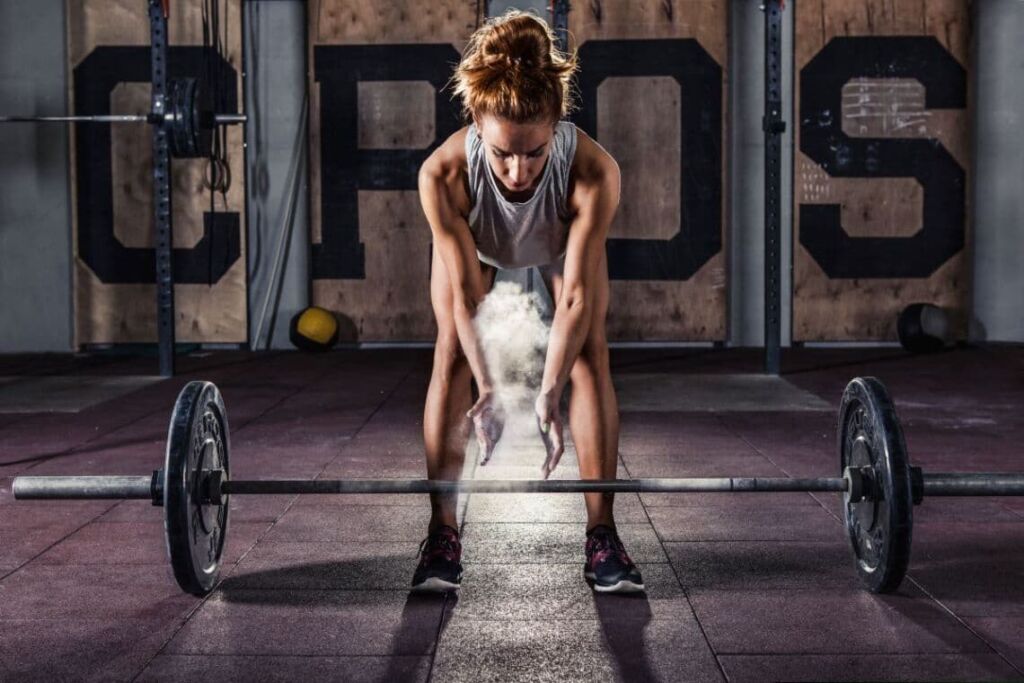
879,486
188,119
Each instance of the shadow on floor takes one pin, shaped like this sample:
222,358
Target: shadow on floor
623,619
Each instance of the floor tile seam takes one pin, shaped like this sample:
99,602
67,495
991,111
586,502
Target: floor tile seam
283,656
618,524
80,447
366,421
101,364
931,597
77,448
546,564
270,526
745,540
679,582
754,448
291,503
57,542
759,540
1018,513
960,619
286,395
716,506
870,653
175,630
195,608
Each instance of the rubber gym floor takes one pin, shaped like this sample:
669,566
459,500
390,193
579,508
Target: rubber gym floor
740,587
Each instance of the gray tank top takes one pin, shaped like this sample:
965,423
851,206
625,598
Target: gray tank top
521,234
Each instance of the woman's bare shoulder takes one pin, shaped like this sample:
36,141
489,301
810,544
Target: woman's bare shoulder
448,163
592,161
449,159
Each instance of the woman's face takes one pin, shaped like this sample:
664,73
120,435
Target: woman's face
516,152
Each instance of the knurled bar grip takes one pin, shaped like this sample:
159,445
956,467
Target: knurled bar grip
693,485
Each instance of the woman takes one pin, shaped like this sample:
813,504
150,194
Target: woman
520,187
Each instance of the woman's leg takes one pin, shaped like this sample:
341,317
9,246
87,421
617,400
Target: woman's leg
445,425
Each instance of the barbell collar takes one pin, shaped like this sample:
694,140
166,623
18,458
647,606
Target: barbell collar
974,484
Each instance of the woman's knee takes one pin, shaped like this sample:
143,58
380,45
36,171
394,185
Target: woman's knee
595,352
448,355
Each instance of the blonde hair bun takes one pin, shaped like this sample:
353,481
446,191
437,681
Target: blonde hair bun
512,68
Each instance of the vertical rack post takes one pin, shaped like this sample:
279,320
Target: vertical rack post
162,190
773,126
560,22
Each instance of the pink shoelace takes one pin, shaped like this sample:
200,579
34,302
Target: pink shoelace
442,544
602,546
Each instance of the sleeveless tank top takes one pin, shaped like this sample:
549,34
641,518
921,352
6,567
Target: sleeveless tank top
528,233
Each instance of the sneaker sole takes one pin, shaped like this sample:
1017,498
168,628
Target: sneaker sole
435,585
619,587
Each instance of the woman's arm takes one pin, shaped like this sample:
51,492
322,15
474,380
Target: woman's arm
454,243
594,200
596,197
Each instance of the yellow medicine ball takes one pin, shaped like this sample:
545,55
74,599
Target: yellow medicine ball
314,329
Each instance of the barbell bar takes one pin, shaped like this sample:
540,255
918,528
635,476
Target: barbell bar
878,484
149,488
188,121
219,119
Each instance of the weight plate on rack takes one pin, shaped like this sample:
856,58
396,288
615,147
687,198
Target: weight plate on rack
197,444
879,525
190,129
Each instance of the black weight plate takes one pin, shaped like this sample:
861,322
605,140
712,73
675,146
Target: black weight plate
197,441
203,118
179,131
880,525
189,134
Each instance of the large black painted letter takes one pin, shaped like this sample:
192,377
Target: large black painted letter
344,168
700,159
94,79
823,140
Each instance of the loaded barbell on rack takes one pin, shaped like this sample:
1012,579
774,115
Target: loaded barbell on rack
188,120
878,484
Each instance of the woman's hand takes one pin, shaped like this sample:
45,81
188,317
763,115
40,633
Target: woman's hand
488,417
549,421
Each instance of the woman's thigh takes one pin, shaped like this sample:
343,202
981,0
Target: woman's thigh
599,293
441,296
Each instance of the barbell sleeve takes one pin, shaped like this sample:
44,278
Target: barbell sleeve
220,119
974,484
81,487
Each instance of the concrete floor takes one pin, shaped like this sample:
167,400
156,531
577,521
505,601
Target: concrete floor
740,587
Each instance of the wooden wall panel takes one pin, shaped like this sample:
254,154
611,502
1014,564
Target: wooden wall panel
373,266
891,158
108,46
384,104
666,170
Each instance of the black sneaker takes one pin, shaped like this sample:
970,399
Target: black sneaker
439,569
608,565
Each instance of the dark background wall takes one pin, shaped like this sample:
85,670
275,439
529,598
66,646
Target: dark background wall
35,234
35,218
